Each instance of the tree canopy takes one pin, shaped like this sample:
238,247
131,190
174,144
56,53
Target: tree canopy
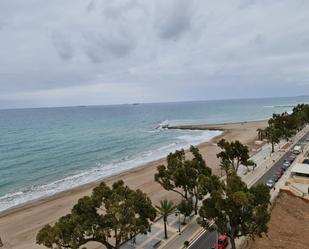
185,207
234,154
109,216
182,176
273,136
236,210
285,125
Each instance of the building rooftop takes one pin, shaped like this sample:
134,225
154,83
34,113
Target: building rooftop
300,168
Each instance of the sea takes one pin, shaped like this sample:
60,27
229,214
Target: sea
44,151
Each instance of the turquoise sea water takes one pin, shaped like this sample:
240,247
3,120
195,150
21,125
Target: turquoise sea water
48,150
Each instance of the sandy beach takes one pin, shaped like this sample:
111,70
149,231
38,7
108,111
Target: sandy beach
19,226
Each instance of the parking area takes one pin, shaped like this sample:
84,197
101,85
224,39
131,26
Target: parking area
285,162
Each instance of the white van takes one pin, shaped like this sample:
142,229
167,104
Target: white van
297,150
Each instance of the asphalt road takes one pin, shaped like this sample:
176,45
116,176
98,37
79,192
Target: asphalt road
207,240
278,164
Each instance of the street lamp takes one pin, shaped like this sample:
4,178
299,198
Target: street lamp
177,213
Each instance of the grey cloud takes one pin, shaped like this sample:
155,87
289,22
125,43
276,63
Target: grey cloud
115,35
246,4
191,46
174,20
63,46
99,47
90,6
121,9
305,43
258,39
2,24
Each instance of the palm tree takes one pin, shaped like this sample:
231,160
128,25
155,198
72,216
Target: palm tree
165,209
273,136
226,166
261,133
259,130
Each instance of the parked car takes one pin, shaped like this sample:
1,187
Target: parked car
270,183
275,178
297,149
286,165
291,158
222,242
279,173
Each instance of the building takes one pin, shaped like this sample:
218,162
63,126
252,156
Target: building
298,181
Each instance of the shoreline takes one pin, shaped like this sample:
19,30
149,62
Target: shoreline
86,186
19,224
94,183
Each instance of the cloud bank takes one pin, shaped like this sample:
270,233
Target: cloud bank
105,52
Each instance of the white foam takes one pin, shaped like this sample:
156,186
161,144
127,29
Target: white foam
200,136
184,140
163,124
167,147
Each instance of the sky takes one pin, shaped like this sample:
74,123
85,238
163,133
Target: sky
92,52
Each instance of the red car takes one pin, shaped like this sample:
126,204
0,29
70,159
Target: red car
222,242
291,158
279,173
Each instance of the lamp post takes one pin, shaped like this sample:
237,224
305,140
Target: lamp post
177,213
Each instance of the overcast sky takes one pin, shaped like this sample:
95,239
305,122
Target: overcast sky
80,52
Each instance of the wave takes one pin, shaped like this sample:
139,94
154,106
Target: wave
164,124
204,136
101,171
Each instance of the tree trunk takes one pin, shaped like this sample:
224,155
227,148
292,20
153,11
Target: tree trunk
184,219
108,246
186,194
195,205
272,147
1,244
117,242
165,230
233,245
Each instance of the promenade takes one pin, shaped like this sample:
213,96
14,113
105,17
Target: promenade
192,232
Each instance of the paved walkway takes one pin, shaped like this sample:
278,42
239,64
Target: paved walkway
191,231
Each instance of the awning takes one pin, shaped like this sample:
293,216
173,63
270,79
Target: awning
300,168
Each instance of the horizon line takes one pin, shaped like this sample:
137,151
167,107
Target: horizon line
145,103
